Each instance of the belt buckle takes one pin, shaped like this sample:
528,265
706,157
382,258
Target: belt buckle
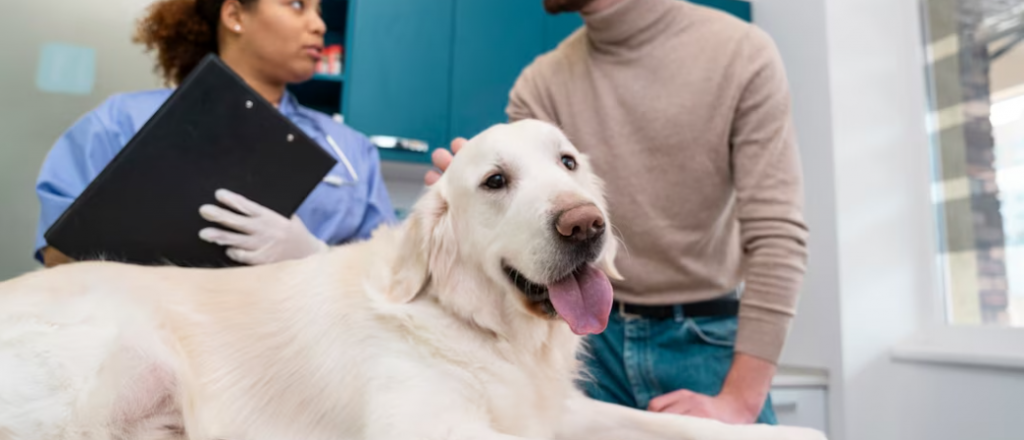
622,312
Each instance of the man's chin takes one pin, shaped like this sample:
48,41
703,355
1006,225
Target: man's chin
562,6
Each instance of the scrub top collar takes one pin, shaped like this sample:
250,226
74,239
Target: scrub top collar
291,109
288,106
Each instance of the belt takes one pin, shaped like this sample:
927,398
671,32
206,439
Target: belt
715,307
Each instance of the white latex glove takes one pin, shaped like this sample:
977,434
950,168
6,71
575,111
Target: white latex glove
266,236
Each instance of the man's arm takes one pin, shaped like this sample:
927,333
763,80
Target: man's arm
748,383
769,198
740,401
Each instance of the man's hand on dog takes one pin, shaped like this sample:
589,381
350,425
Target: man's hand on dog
723,407
442,158
263,236
740,402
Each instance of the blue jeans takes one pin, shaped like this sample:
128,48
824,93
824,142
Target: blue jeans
637,359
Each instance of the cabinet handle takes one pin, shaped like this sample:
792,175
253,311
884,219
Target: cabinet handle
784,406
400,143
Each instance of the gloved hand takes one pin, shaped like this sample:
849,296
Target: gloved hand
266,236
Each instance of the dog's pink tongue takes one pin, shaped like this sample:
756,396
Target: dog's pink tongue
583,300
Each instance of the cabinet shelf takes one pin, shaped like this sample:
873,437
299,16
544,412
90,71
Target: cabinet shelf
398,155
328,78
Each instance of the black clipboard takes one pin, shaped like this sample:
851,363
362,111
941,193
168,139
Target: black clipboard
213,132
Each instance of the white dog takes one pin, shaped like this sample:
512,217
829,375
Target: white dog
462,324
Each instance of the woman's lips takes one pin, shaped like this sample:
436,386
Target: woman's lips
315,52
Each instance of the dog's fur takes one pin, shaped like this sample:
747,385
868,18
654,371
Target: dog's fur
417,333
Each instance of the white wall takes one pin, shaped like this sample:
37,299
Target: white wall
798,28
873,276
884,214
888,273
31,120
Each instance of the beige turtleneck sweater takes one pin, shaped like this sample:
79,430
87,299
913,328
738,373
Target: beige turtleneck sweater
685,113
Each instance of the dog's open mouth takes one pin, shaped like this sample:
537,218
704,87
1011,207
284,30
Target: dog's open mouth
583,297
536,294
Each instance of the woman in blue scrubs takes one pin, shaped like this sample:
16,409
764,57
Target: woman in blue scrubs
270,43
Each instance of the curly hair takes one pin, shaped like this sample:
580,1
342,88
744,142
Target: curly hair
182,32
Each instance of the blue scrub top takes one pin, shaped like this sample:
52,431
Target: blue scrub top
342,208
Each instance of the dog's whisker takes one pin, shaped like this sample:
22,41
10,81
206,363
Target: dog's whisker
617,235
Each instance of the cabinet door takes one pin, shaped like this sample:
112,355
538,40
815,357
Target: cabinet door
494,41
738,8
398,72
800,406
558,27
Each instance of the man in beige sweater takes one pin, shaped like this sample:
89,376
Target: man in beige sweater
685,112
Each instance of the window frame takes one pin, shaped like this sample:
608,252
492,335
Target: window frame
939,340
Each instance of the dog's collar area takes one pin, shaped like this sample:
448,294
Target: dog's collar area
536,294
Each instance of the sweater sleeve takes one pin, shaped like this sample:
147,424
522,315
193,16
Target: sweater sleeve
769,196
527,99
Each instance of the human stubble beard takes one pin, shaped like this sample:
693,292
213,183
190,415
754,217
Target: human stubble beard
560,6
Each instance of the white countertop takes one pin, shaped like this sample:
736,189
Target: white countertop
788,376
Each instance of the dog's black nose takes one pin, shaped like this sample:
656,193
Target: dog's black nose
581,223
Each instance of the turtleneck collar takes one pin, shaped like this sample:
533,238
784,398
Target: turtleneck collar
628,25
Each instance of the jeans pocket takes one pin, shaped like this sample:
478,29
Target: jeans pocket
715,331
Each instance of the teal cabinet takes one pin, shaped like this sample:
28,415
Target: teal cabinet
433,70
740,9
398,71
493,41
558,27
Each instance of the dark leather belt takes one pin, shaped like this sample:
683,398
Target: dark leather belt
716,307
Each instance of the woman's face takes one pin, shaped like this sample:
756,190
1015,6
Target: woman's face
284,38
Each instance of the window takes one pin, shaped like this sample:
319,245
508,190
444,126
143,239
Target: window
976,76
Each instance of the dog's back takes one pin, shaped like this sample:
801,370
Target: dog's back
81,358
106,350
306,349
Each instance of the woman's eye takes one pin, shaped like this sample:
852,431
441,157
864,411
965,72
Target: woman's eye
496,181
569,162
298,5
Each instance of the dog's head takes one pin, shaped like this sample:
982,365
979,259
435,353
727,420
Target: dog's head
517,225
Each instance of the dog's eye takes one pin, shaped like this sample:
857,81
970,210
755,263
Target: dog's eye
496,181
569,162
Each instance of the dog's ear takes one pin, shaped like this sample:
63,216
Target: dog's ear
607,263
421,245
